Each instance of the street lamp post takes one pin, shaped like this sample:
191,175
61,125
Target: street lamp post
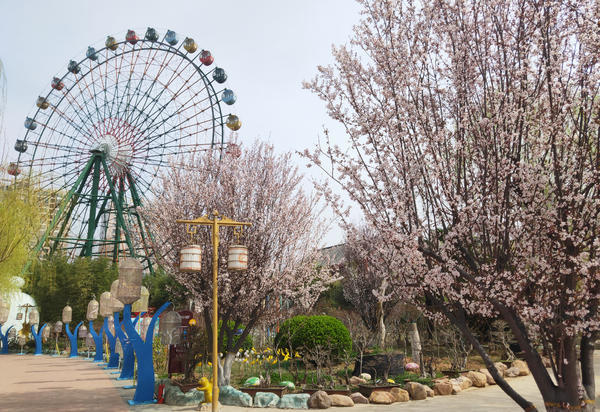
215,221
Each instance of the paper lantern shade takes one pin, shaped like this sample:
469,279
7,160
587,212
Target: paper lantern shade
105,304
237,257
141,305
19,316
116,304
67,314
34,317
169,328
190,259
4,311
111,324
83,331
12,333
92,310
57,328
144,324
130,280
46,332
89,340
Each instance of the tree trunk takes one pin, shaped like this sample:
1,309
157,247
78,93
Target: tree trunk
415,343
587,366
380,326
225,369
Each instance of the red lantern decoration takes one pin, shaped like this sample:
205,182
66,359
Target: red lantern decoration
13,169
57,84
206,58
131,37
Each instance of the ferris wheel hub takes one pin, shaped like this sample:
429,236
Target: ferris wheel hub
118,154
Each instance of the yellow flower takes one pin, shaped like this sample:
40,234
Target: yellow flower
296,355
275,361
209,363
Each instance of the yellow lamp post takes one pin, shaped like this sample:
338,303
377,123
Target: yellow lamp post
215,221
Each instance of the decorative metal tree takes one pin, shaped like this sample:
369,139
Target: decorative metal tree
106,312
128,364
4,311
130,282
67,317
104,130
34,320
92,315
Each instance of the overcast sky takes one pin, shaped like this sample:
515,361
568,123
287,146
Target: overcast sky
267,48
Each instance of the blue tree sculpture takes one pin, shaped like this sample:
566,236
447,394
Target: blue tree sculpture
113,360
97,342
73,339
144,391
128,364
38,338
4,338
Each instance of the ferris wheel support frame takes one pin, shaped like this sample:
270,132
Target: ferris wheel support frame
94,167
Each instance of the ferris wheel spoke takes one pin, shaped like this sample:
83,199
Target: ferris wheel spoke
170,80
92,95
125,96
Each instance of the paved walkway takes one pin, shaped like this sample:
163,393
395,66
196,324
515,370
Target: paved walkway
45,383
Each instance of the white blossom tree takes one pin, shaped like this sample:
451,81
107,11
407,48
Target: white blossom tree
260,187
474,148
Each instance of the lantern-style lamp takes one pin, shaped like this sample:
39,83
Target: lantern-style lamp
21,340
228,96
67,314
4,311
206,58
83,332
233,122
91,54
30,124
111,325
57,328
42,103
105,305
130,280
171,37
190,259
111,43
190,45
20,316
237,258
219,75
92,310
141,305
73,67
151,34
169,328
116,304
46,332
34,317
89,339
12,333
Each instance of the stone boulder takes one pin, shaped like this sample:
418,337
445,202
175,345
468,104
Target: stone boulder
488,376
228,395
522,366
512,372
501,368
456,389
294,401
319,400
430,392
416,390
341,400
381,397
463,382
355,381
442,388
207,407
478,379
358,397
266,400
400,395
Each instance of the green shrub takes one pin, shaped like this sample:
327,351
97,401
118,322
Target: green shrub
307,332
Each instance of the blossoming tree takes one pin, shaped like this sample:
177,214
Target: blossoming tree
260,187
474,148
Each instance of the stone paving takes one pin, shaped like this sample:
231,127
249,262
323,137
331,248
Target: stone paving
45,383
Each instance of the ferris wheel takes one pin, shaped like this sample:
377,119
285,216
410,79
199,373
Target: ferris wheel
104,130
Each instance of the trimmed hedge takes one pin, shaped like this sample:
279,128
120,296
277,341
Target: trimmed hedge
306,332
